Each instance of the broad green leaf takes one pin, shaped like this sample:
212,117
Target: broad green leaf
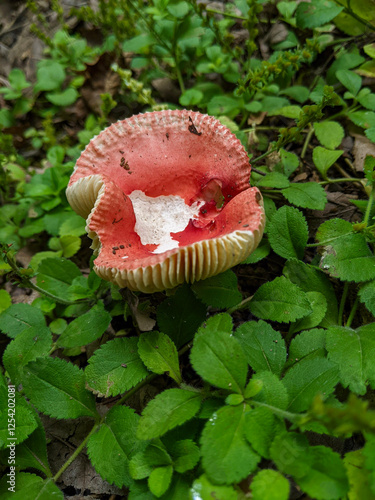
50,75
115,368
262,251
291,111
27,346
203,489
326,480
367,296
273,390
369,49
296,92
263,346
160,479
25,420
306,379
55,276
137,43
219,291
358,476
185,455
20,317
329,134
310,279
349,258
112,446
159,354
86,328
333,229
367,69
350,80
354,353
274,180
32,453
269,484
364,119
30,486
290,452
191,97
310,343
142,463
289,162
306,195
167,410
64,98
280,300
367,101
324,158
5,300
316,13
57,388
226,456
180,315
72,226
219,322
318,304
261,428
288,232
218,358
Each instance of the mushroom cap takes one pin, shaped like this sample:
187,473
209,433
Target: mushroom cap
167,199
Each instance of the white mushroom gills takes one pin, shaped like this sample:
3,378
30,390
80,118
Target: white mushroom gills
156,218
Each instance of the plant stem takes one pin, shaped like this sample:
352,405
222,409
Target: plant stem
272,150
352,313
341,179
227,14
242,304
368,208
342,303
307,141
76,452
293,417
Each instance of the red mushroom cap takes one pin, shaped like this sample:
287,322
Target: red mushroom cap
167,199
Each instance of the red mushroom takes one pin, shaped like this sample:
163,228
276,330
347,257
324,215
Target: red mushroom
167,200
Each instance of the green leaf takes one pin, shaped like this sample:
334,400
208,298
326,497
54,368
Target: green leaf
297,92
180,315
56,275
219,291
269,484
27,346
5,300
310,343
31,486
349,258
203,489
112,446
218,358
290,452
64,98
160,479
280,300
318,304
86,328
263,346
185,455
273,391
288,232
142,464
57,388
159,354
326,480
316,13
167,410
273,180
262,251
350,80
367,296
226,456
73,226
330,135
354,353
191,97
20,317
333,229
364,119
24,416
261,428
359,477
50,75
310,279
306,195
115,368
306,379
32,453
324,158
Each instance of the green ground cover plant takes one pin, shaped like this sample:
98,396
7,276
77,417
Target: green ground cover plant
260,381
